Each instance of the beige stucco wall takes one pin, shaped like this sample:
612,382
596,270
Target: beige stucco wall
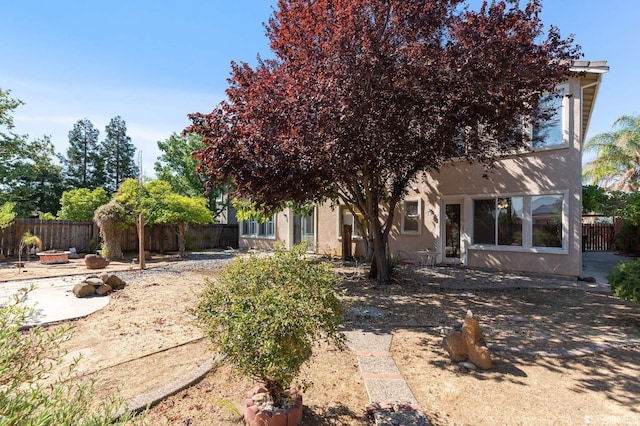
328,237
545,171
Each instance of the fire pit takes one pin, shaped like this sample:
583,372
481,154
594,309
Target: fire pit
51,257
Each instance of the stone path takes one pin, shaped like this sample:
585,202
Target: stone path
391,400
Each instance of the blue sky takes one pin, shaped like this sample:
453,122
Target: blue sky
153,62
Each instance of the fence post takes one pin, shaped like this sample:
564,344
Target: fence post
141,241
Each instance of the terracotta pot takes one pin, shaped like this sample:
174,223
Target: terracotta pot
255,417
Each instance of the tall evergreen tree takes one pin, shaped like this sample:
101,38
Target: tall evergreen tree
118,154
36,179
11,144
30,173
84,165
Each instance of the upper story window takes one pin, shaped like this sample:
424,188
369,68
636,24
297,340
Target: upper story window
256,229
554,131
411,217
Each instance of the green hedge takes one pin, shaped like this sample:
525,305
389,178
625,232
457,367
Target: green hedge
625,281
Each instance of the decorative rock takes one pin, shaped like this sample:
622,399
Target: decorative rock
455,345
96,282
477,347
147,255
93,261
84,289
260,397
103,289
468,344
113,280
397,414
257,416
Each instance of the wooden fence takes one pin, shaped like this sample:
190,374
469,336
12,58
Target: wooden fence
63,234
598,236
164,238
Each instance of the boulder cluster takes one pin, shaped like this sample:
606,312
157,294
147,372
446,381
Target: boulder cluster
468,344
98,285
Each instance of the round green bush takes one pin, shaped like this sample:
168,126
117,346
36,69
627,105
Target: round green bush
625,281
265,313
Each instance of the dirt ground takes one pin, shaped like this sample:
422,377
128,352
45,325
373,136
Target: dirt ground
145,338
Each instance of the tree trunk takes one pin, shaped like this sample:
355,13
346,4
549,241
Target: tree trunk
181,247
379,265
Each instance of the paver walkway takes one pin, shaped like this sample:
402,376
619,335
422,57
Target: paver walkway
392,402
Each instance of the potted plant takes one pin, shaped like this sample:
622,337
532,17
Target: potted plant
264,314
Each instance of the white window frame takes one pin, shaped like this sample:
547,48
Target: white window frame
254,229
527,224
418,218
355,232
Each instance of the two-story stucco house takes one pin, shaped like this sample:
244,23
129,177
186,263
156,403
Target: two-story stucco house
524,215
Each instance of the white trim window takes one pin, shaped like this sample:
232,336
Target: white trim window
554,132
411,217
521,222
257,229
346,218
498,220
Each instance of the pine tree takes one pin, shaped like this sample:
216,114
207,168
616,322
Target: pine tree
85,168
118,154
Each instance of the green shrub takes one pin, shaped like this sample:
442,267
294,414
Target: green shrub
393,263
94,244
265,313
627,237
625,281
27,357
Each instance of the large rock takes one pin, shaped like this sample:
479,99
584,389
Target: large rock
96,282
103,289
468,344
93,261
476,346
454,344
84,289
113,280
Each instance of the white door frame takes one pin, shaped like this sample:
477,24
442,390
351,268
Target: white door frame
465,219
